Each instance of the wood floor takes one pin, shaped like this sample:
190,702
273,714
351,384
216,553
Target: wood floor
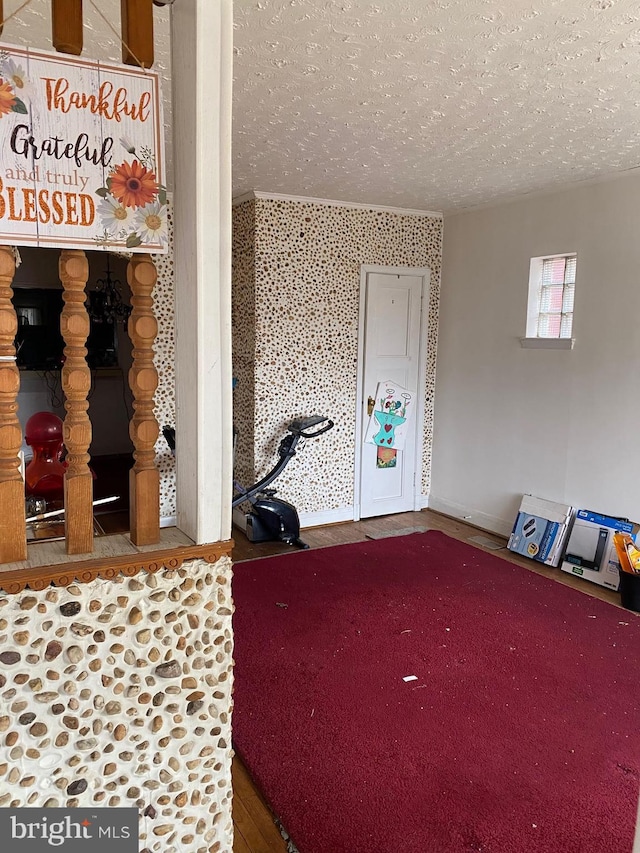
255,830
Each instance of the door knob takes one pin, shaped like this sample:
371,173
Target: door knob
370,405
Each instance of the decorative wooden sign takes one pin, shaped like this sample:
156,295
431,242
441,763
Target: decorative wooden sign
81,154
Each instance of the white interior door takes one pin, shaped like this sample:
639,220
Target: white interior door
391,345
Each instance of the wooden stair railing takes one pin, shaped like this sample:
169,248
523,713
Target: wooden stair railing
76,382
66,26
144,478
67,37
137,32
144,486
137,29
13,535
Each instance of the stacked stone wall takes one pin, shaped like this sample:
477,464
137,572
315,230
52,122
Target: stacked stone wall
118,693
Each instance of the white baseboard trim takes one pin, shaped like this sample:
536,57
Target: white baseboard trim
307,519
327,516
168,521
239,519
345,513
472,516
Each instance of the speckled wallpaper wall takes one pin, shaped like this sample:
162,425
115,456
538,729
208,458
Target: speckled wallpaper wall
164,361
296,291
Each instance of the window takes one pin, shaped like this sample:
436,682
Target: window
552,283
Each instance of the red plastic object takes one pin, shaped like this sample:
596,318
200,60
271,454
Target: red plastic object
44,475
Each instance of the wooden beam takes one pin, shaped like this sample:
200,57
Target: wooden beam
137,32
144,478
201,75
76,382
66,26
13,531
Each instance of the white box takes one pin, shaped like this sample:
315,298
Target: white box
590,552
540,529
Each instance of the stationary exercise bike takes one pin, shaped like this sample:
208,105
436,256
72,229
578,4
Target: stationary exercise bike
272,518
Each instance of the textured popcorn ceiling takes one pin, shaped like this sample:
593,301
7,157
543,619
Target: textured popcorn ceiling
433,105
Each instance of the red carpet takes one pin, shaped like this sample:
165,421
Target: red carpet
519,734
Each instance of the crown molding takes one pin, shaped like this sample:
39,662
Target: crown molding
401,211
240,199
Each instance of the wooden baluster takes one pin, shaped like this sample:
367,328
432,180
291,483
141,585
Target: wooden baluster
66,26
13,536
144,479
137,32
76,382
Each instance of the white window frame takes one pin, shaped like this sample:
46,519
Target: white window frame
532,340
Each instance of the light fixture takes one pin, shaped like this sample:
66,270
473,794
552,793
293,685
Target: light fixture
106,304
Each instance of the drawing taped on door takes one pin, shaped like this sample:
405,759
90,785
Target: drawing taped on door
392,411
388,479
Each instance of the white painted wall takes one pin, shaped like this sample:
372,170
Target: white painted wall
561,424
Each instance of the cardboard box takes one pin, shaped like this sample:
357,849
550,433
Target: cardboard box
590,552
540,530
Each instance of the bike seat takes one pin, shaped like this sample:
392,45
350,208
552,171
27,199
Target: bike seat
301,426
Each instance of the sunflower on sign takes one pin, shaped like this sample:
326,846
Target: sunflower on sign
7,98
134,203
132,185
13,82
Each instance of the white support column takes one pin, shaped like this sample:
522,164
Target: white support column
202,66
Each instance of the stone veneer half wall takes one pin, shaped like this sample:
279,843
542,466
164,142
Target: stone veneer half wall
296,292
118,693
